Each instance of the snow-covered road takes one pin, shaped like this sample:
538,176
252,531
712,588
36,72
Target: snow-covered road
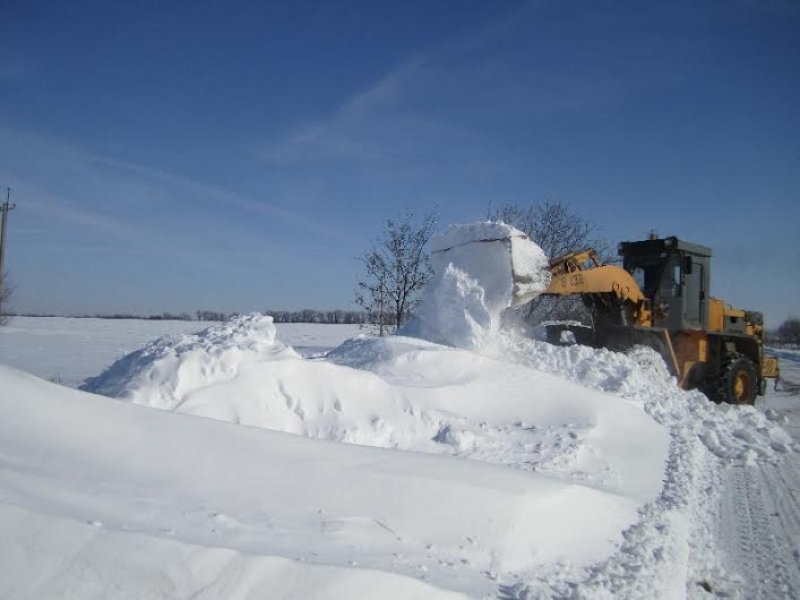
758,525
758,517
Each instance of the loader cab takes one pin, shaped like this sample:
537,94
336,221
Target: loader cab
674,276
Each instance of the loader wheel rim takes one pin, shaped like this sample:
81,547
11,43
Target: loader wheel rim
741,387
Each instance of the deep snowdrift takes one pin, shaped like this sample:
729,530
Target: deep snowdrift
124,468
403,393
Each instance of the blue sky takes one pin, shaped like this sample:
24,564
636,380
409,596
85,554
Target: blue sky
240,156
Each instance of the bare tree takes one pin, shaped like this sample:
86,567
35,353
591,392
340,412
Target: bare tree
558,230
397,268
554,226
5,296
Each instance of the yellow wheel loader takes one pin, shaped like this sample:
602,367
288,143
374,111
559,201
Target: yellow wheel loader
659,297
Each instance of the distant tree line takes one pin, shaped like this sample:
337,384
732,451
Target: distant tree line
167,316
787,334
306,315
332,317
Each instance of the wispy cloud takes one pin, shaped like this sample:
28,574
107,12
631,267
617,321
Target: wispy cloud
366,127
212,193
475,84
112,182
46,205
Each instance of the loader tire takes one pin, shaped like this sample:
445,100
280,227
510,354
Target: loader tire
739,381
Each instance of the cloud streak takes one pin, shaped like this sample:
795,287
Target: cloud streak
466,91
110,179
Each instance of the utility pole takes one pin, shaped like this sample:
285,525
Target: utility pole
3,234
381,296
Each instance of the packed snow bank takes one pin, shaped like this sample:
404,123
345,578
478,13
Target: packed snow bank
130,470
404,393
675,548
239,372
500,411
480,270
736,434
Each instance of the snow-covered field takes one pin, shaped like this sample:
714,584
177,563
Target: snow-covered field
68,350
460,459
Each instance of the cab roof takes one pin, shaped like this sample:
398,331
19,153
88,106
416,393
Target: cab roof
659,245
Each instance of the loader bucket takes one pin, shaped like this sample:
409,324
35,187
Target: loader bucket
505,262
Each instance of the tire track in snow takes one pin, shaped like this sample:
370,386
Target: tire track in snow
783,485
758,526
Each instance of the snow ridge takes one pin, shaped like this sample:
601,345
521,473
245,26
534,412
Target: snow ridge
737,434
159,374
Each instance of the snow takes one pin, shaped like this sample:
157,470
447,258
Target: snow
211,484
397,393
169,367
609,491
71,559
459,459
